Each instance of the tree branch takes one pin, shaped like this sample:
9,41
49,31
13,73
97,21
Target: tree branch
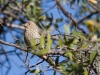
86,17
15,26
14,45
68,15
46,58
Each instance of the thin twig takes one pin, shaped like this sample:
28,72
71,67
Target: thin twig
48,9
86,17
68,15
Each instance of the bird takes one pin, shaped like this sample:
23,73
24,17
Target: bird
32,31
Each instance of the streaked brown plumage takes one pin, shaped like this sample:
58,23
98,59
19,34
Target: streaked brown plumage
31,31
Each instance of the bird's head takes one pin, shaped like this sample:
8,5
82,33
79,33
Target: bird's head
30,24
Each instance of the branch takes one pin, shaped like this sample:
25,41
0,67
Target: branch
14,45
94,6
68,15
46,58
15,26
10,14
48,9
64,11
86,17
34,66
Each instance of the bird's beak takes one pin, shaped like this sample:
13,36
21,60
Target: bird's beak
24,25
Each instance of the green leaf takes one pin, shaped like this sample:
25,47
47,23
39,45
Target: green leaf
78,34
58,20
70,55
85,46
30,17
33,45
60,42
67,29
28,9
49,41
42,52
24,0
75,41
35,71
85,72
92,56
33,10
56,61
41,18
56,26
63,68
98,39
2,1
73,46
32,42
69,42
42,41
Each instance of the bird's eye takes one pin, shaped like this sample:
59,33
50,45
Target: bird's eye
29,23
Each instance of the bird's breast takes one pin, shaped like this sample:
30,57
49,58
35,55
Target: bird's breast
29,34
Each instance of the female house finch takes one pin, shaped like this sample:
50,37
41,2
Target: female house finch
31,31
